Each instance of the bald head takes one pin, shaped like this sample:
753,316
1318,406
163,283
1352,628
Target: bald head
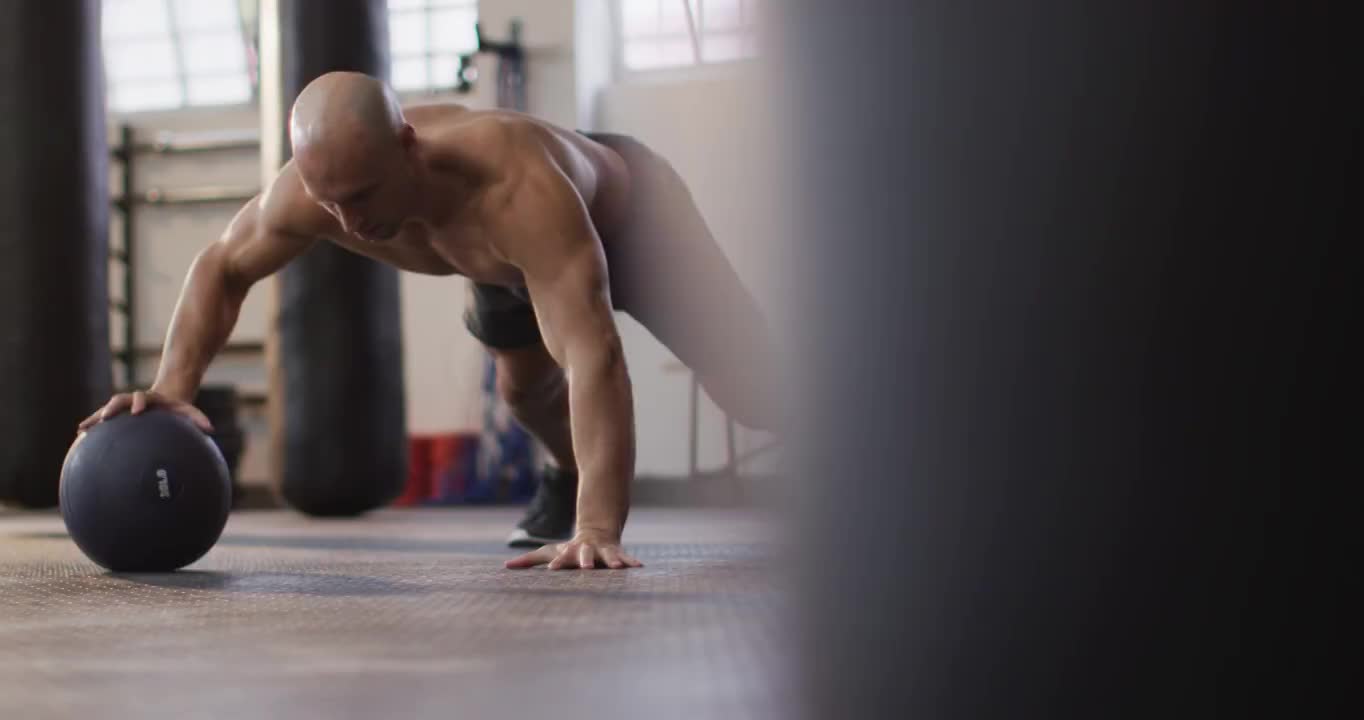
341,108
350,146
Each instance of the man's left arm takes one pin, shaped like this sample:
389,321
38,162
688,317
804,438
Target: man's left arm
546,232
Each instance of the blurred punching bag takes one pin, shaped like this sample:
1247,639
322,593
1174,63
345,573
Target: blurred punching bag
54,215
1075,374
337,371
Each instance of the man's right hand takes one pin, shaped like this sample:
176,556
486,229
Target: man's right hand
136,402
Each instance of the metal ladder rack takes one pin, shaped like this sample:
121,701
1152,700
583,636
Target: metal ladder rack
128,199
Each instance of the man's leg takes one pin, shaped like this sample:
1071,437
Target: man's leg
670,274
535,390
716,329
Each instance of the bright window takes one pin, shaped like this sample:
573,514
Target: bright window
658,34
164,54
426,38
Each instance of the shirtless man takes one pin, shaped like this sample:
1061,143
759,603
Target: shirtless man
554,230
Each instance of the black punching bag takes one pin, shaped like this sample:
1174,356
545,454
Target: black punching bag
1090,467
54,215
339,343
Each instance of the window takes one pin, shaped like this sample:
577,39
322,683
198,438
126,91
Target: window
426,38
163,54
671,33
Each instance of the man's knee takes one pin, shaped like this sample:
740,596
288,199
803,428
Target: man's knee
746,381
754,402
737,362
514,391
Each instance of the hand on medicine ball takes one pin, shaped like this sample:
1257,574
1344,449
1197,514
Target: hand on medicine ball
136,402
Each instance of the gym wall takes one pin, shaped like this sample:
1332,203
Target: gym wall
710,125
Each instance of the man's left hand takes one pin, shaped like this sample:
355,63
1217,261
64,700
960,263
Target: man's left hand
587,550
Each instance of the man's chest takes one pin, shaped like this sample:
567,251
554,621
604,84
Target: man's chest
460,246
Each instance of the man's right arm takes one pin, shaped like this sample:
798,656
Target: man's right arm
214,290
253,247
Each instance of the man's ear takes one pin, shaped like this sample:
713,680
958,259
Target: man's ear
407,136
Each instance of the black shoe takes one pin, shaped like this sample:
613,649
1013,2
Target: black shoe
551,513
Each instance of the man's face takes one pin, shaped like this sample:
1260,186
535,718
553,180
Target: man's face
369,193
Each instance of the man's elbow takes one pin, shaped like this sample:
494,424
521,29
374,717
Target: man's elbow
211,270
602,358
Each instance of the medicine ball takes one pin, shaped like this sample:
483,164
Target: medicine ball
145,493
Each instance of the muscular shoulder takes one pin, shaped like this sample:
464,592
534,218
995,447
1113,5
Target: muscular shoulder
497,146
285,207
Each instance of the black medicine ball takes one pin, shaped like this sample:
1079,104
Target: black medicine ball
145,493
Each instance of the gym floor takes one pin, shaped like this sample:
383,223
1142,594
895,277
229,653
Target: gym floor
403,613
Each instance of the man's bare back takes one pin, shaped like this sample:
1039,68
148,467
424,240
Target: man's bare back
476,158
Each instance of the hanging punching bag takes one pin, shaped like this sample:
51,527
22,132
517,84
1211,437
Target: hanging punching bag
54,214
338,350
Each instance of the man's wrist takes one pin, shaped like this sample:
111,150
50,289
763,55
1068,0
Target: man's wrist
172,390
599,514
599,530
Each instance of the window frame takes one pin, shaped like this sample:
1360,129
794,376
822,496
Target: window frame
181,76
698,68
425,10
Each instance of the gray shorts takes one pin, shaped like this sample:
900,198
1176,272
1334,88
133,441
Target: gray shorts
501,318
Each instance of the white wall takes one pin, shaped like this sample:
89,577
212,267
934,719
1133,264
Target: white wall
712,128
593,54
547,34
